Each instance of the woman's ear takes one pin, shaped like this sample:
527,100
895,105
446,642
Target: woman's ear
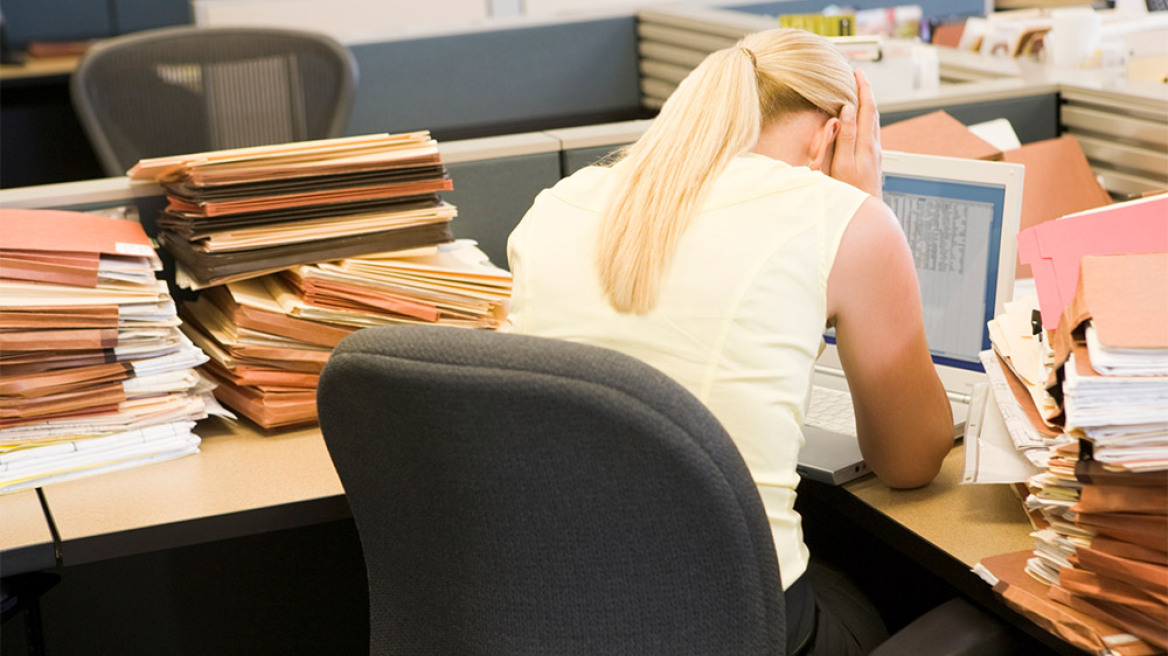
821,146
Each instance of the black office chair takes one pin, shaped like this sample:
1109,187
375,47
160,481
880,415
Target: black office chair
517,495
188,89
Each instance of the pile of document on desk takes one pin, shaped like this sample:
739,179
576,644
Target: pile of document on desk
1096,371
95,374
235,214
293,247
269,337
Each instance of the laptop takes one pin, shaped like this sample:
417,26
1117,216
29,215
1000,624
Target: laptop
961,217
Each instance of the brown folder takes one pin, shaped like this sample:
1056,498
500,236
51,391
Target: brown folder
1149,577
1124,297
1059,181
1031,598
69,339
1122,498
79,269
1124,549
61,380
270,411
80,316
57,231
238,302
937,133
1091,584
1148,628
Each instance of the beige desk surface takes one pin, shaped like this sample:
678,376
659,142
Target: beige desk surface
969,522
238,470
39,67
26,542
22,521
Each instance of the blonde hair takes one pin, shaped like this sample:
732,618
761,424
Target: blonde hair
714,115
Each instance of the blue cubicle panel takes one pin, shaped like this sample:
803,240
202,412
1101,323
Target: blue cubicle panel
498,81
493,194
79,20
56,20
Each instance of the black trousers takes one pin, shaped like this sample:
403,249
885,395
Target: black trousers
828,615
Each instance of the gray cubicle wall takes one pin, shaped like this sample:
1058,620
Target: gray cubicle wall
1034,118
499,81
495,181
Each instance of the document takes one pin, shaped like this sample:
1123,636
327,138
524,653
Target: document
990,453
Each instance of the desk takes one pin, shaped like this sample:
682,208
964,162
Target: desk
39,67
968,522
242,483
26,542
246,483
945,528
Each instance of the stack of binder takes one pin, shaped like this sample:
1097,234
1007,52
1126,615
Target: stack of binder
1098,574
268,338
237,214
95,374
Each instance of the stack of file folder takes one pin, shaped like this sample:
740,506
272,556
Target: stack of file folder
95,374
236,214
292,247
1099,572
269,337
1106,497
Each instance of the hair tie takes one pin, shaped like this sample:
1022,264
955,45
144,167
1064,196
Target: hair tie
753,59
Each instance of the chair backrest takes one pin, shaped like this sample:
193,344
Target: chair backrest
190,89
520,495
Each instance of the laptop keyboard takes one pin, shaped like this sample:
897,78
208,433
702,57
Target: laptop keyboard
831,410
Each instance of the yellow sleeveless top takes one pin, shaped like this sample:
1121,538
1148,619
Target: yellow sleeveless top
740,314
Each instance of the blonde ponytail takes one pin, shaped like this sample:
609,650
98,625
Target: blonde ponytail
714,115
710,118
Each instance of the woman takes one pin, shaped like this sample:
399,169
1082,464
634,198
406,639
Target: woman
719,247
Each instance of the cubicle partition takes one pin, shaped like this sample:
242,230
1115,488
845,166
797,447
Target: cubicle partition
528,76
513,77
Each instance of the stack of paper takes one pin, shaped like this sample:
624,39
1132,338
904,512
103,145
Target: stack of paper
1119,316
1095,369
95,374
238,214
269,337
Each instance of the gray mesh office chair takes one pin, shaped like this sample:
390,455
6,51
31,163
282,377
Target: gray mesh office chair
188,89
525,496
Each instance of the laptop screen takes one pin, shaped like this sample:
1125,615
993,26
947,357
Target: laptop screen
961,219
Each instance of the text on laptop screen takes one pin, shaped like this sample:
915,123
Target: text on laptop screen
954,229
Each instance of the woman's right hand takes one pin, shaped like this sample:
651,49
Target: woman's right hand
857,157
